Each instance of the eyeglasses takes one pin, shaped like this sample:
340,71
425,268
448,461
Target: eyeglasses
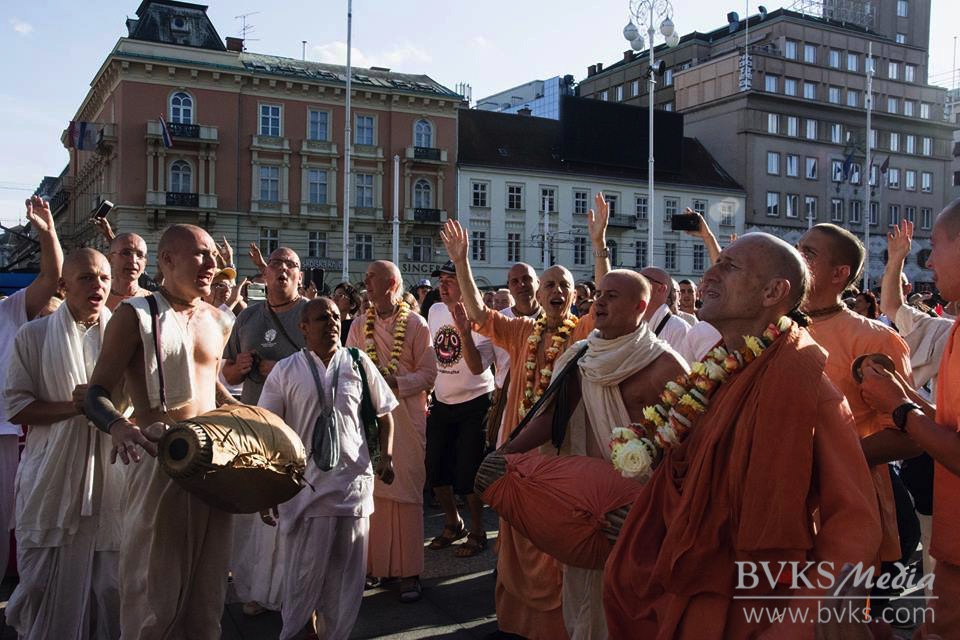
655,280
277,263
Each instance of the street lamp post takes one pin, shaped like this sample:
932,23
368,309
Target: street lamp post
647,12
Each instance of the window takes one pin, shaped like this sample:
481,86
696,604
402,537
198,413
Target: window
770,83
603,95
836,210
699,257
836,170
317,244
927,146
901,38
793,205
364,246
773,203
515,197
581,200
926,182
513,247
893,178
833,59
619,93
793,126
810,207
700,206
579,250
612,248
478,245
181,108
910,213
893,70
810,90
873,175
317,186
811,169
479,194
363,190
902,8
269,120
548,199
853,62
833,95
911,143
364,130
727,219
836,133
790,49
789,86
810,53
269,240
670,208
792,166
892,105
894,141
925,110
668,106
640,207
909,107
855,173
773,163
318,123
773,123
926,217
270,183
910,72
422,134
811,130
874,214
181,177
422,194
894,219
853,98
421,249
613,201
640,257
668,77
855,208
635,87
670,256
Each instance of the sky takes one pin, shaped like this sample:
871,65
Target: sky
51,49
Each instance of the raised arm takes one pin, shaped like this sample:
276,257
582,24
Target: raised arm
899,240
471,354
705,234
51,257
103,226
597,219
457,243
257,257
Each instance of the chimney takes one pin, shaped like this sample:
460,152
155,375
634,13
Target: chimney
235,44
599,67
131,26
526,111
627,55
591,70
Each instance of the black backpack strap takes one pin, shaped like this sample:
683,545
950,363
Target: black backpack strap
558,428
368,415
155,328
662,324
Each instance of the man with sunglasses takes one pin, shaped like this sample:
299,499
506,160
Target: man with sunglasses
663,323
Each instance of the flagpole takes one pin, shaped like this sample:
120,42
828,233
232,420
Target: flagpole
345,271
869,171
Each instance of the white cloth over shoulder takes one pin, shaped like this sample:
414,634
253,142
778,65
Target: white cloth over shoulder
176,346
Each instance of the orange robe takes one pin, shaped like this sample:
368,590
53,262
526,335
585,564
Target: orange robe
845,336
529,581
396,525
776,445
945,545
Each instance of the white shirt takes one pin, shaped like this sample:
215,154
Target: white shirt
291,393
455,384
689,318
699,340
13,315
927,338
673,332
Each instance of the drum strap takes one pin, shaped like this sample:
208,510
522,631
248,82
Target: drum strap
325,443
155,328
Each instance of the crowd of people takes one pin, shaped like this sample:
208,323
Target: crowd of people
773,413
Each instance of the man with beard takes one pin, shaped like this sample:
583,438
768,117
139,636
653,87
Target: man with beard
749,479
68,507
528,591
174,548
128,260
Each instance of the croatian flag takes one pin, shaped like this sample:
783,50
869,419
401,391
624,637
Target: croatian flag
82,135
165,134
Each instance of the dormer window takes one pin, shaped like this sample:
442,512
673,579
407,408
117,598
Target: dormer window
180,24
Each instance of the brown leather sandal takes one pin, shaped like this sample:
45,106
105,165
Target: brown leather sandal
475,543
443,541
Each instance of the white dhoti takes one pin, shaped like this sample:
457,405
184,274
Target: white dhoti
325,564
257,564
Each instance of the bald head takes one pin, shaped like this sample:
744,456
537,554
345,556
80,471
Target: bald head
622,297
124,240
81,260
660,286
176,234
776,259
383,282
949,219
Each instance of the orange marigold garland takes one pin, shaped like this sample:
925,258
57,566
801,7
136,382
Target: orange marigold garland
531,394
399,332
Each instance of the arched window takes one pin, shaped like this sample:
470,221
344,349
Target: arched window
181,177
422,194
423,134
181,108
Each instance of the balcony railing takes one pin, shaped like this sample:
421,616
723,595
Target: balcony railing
177,199
181,130
421,214
622,221
426,154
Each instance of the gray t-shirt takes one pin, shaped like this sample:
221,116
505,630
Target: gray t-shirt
255,330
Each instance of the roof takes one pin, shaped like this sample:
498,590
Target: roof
508,141
173,22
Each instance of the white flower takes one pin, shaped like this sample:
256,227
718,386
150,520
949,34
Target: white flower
669,435
623,433
633,459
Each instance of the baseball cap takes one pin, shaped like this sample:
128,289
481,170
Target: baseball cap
448,267
227,273
425,282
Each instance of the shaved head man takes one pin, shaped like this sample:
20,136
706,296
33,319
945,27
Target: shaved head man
128,260
523,283
664,324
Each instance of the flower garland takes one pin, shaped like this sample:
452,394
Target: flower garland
531,395
636,448
399,331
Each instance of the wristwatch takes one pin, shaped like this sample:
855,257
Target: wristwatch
900,414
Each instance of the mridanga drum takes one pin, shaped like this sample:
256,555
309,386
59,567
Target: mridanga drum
237,458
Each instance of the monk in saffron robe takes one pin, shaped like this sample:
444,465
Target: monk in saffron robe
775,446
396,525
835,257
528,591
936,430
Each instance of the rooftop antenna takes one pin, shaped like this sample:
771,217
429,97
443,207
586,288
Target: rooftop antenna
245,28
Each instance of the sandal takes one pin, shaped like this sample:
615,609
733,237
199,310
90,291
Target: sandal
443,541
476,542
410,590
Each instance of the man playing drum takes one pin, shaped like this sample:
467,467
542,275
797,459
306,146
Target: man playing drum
174,548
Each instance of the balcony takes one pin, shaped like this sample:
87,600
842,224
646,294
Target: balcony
176,199
319,147
628,222
181,200
270,143
184,132
370,151
426,154
423,215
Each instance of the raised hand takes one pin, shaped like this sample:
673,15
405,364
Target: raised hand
597,219
257,257
899,240
38,213
103,226
226,251
460,319
456,241
702,229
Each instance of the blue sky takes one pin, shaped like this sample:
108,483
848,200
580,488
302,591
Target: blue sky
50,50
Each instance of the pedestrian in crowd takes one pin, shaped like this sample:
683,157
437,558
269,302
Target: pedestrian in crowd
424,286
128,261
664,324
865,303
585,293
350,303
502,299
687,301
